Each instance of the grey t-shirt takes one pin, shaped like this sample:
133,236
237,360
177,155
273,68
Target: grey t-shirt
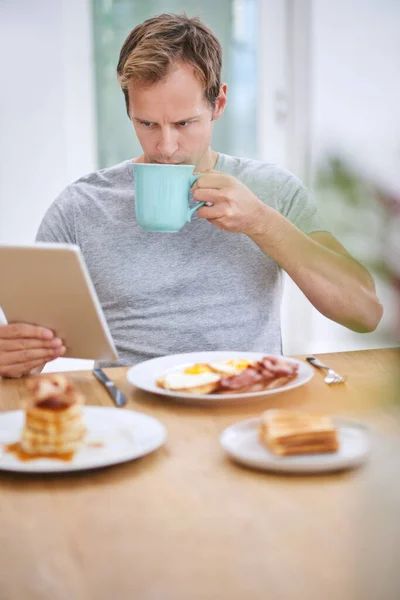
164,293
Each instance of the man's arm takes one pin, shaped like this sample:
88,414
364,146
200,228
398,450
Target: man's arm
334,282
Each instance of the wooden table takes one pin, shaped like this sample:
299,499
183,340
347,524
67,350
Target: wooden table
186,523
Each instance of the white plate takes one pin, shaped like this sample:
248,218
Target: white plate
144,375
125,435
241,442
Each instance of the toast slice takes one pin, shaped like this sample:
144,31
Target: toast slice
287,432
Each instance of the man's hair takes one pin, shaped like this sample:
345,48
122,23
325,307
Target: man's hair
153,48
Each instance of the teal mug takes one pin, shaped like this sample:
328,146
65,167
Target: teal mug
162,196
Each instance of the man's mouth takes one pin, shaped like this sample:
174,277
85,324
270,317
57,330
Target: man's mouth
165,162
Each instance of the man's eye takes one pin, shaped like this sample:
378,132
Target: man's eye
147,123
183,123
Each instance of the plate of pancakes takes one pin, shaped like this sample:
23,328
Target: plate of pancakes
219,377
56,432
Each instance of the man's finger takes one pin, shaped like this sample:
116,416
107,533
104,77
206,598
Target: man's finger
19,357
38,369
24,330
211,179
207,195
212,212
20,370
10,344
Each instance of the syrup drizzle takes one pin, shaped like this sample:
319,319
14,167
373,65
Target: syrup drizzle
23,456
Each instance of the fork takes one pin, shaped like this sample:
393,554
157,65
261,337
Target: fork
331,376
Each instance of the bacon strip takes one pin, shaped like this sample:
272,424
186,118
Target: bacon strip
261,376
248,376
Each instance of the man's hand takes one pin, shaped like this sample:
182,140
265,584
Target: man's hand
234,206
26,348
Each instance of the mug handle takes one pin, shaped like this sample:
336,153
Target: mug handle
196,206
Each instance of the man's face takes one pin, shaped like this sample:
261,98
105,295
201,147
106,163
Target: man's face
172,119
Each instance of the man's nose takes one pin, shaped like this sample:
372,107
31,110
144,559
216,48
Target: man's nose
167,144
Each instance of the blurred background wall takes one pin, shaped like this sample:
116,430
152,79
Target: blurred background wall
313,85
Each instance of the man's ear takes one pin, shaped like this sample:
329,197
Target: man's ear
220,102
126,95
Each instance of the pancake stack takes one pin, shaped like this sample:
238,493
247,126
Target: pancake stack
54,423
289,432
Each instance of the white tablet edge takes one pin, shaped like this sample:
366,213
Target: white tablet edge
92,291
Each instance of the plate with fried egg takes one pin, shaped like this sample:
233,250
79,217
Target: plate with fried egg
219,377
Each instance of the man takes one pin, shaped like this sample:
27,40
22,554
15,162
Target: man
217,283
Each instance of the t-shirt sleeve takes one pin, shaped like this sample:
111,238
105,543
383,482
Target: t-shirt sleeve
299,206
58,224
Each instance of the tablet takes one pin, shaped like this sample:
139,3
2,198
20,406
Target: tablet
49,285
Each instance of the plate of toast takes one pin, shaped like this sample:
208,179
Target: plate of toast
292,441
219,377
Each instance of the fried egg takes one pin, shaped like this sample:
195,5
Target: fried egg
233,366
181,380
197,369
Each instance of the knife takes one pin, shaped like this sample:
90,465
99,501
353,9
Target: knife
110,386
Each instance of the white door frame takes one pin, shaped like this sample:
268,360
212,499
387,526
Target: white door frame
284,83
284,126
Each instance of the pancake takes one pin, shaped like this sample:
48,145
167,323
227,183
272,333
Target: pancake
54,421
